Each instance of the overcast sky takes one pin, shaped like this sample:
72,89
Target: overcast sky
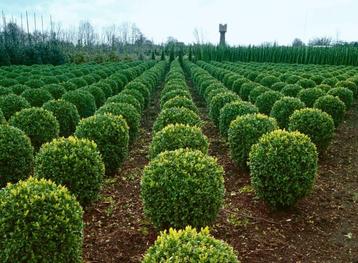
249,22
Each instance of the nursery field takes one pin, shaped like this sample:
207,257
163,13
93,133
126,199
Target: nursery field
264,154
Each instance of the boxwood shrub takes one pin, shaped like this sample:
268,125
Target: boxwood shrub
16,155
179,245
218,102
74,163
83,100
172,94
344,94
129,113
245,131
10,104
39,124
180,102
126,98
231,110
283,167
333,106
182,187
66,114
40,222
97,93
37,97
256,92
176,136
55,90
111,134
318,125
283,109
176,115
246,89
291,90
309,96
265,101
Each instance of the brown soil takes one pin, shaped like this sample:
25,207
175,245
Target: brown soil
321,228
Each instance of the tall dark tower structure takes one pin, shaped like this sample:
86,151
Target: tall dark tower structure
222,30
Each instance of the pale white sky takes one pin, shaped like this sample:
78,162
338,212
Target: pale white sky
249,22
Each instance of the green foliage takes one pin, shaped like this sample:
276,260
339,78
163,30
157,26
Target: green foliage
230,111
176,115
306,83
180,102
35,83
74,163
218,102
283,109
66,114
278,86
179,246
83,100
182,187
111,134
283,167
256,92
2,118
344,94
79,82
265,101
37,97
291,90
129,113
309,96
246,89
164,97
318,125
126,98
178,136
55,90
350,85
97,93
10,104
40,222
244,132
19,88
268,81
5,91
39,124
16,155
333,106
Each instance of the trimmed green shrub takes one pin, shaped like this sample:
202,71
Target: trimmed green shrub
8,82
19,88
137,94
324,87
79,82
125,98
97,93
179,246
10,104
66,114
306,83
283,167
278,86
35,83
180,102
111,134
106,88
40,222
74,163
283,109
176,115
316,124
5,91
83,100
176,136
129,113
265,101
215,92
218,102
350,85
2,118
246,89
333,106
69,86
344,94
39,124
291,90
269,81
16,155
256,92
37,97
309,96
182,187
55,90
244,132
172,94
143,89
231,110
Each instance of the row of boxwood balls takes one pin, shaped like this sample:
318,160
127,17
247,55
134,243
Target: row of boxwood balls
79,163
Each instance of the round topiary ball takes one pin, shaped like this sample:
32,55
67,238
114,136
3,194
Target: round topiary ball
2,118
182,187
291,90
178,136
55,90
333,106
125,98
35,83
111,134
180,102
256,92
39,124
74,163
219,101
172,94
244,132
129,113
16,155
83,100
344,94
265,101
40,222
66,114
283,109
19,88
97,93
230,111
283,167
177,245
5,91
309,96
10,104
318,125
176,115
